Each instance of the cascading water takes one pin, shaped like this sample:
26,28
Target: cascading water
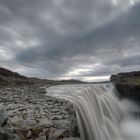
98,112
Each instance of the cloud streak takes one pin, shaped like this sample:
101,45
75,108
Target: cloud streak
70,39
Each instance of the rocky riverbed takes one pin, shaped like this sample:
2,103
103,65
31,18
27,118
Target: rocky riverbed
27,114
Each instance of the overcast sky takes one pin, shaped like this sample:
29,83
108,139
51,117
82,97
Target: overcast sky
70,39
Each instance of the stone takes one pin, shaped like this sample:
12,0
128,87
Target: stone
45,123
22,123
3,115
38,118
62,124
57,117
22,133
71,138
36,131
11,106
6,135
41,138
58,134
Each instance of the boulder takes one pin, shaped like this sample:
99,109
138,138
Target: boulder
3,115
7,134
58,134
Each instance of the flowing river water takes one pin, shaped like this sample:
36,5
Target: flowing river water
100,114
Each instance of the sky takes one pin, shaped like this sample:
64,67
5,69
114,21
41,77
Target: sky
70,39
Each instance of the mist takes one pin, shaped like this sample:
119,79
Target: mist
131,124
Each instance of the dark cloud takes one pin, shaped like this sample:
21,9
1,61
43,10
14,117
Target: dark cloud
69,39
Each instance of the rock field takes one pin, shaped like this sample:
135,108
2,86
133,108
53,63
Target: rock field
27,114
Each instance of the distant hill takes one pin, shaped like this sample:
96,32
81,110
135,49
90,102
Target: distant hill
9,78
8,73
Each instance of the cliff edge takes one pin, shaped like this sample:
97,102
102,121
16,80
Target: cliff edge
128,85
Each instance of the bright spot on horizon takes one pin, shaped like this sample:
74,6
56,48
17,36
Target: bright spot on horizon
77,71
88,79
96,78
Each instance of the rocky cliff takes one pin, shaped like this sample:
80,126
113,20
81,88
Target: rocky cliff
128,85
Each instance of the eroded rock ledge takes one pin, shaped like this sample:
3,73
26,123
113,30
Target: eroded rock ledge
128,85
27,114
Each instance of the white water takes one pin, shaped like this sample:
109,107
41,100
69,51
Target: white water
99,113
131,125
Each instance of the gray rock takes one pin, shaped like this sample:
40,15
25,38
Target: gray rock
40,117
3,115
7,135
58,134
62,124
45,123
57,117
22,123
41,138
71,138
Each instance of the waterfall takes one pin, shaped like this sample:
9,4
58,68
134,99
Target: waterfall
97,110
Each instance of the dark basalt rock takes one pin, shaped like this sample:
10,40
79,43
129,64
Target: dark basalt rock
127,85
3,115
124,76
129,91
